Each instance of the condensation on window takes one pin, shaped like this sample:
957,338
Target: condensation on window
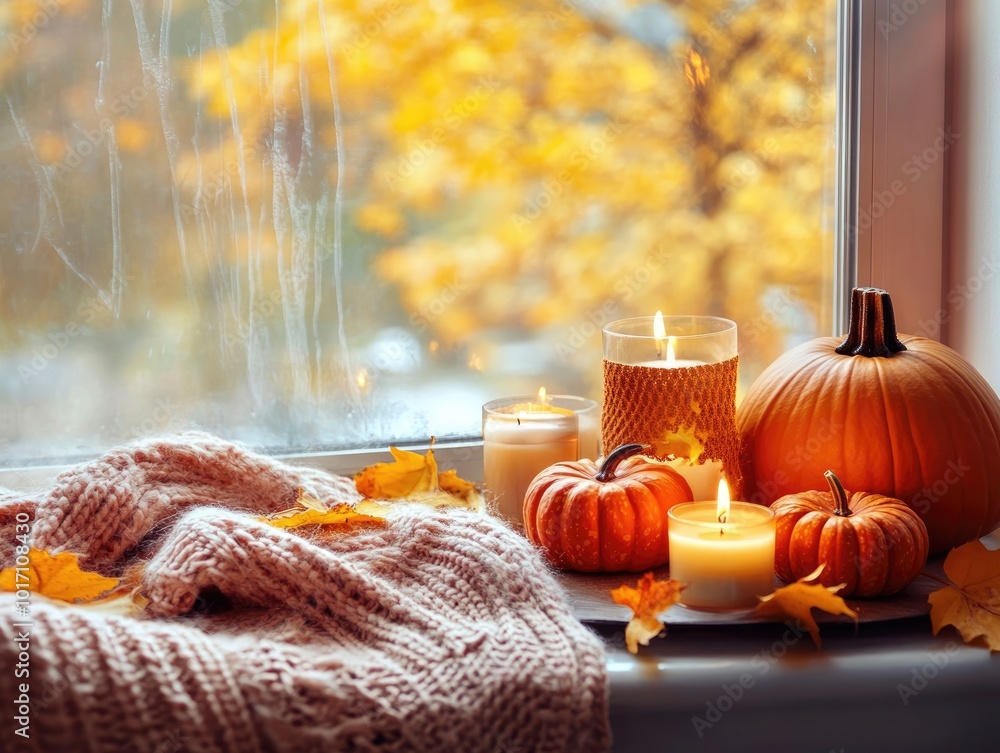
311,224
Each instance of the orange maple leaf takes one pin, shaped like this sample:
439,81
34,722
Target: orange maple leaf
797,600
971,603
648,600
57,576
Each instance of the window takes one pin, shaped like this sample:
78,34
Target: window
339,223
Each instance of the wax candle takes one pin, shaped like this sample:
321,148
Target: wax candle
666,349
671,383
521,439
703,478
588,414
722,551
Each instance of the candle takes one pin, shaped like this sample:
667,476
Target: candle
703,478
723,551
588,415
521,439
670,382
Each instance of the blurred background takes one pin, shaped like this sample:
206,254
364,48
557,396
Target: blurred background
339,223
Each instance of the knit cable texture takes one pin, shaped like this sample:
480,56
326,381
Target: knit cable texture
442,631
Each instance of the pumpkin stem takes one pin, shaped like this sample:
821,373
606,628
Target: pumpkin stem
840,506
611,462
873,325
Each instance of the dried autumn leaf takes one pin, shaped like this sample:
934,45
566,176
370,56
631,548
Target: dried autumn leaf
449,481
648,600
57,576
797,600
416,478
972,603
410,472
296,517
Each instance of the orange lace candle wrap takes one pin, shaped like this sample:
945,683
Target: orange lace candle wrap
688,412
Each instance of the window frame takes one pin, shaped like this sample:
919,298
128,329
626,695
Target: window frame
888,110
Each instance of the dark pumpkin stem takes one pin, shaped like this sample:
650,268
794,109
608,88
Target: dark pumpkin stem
840,506
873,325
611,462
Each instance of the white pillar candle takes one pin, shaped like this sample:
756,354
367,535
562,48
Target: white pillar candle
520,441
727,563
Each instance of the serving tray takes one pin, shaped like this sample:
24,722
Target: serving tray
589,596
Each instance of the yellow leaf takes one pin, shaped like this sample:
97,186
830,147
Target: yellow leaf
57,576
409,473
683,443
972,603
449,481
649,599
296,517
797,600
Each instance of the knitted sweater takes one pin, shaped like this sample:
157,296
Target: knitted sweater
441,631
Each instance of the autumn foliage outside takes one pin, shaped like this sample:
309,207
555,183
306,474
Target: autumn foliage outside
307,223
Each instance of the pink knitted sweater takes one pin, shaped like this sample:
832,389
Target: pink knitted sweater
442,631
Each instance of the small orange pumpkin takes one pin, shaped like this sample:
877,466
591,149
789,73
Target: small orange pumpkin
875,544
608,520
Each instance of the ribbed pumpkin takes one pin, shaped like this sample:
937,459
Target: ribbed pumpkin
610,519
908,418
874,544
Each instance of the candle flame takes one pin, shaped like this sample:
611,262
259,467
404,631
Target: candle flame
722,509
671,357
659,333
362,378
542,395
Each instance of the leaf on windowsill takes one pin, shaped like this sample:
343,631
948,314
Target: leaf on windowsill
415,478
647,600
797,600
971,602
57,576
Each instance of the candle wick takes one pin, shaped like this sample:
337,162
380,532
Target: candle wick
518,420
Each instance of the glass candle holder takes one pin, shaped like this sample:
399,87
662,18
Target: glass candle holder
724,565
672,384
521,438
588,415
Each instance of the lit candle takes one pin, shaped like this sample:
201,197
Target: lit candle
521,439
666,349
703,478
723,551
588,415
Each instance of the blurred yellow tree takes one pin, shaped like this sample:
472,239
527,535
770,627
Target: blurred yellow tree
536,163
227,203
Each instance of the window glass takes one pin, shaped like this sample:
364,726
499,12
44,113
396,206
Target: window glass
339,223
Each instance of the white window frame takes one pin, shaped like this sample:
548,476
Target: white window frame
892,73
895,115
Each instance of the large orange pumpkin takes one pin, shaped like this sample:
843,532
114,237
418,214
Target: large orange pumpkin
604,520
908,418
874,545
